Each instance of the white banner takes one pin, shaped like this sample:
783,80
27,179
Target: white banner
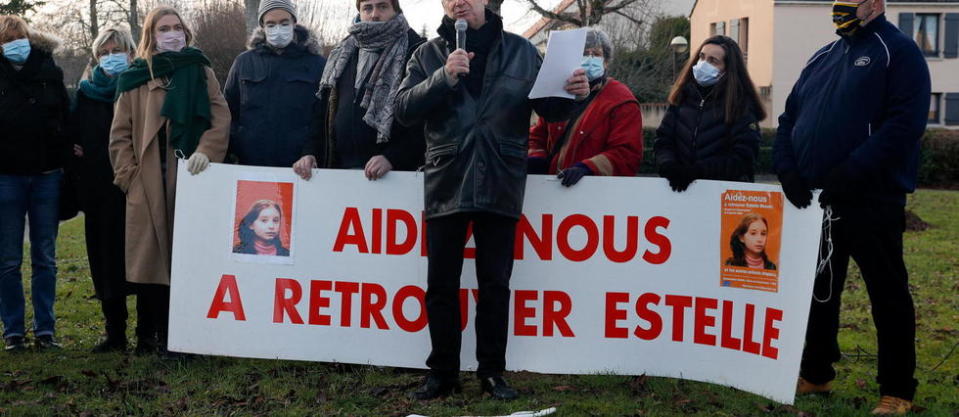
613,275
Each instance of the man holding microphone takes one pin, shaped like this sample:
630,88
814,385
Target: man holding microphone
474,103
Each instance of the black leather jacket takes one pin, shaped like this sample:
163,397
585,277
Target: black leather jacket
475,148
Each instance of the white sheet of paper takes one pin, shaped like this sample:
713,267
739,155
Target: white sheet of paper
564,54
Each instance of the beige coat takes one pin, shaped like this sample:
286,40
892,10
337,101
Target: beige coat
135,155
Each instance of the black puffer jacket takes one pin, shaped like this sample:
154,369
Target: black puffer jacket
696,133
476,147
33,111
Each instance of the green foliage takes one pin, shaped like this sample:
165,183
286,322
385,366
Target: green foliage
649,71
19,7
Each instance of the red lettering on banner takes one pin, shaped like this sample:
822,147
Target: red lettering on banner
521,312
609,239
660,240
542,243
377,230
468,252
401,320
748,344
235,305
423,248
643,311
351,232
393,246
372,310
283,304
702,321
726,338
346,290
679,303
771,333
615,314
592,237
318,302
557,306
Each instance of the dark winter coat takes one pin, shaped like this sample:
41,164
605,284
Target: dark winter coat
695,133
271,97
861,102
33,111
102,202
476,146
343,140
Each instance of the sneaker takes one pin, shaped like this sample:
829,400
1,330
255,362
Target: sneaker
498,388
892,406
806,387
15,344
110,345
435,387
46,342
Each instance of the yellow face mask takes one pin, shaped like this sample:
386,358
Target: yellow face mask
844,17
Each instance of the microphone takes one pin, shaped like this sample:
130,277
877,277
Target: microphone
460,33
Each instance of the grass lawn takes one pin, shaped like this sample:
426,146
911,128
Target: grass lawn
77,383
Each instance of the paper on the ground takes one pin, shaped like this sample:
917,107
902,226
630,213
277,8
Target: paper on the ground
540,413
564,54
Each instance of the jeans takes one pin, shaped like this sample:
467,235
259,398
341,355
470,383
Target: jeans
36,197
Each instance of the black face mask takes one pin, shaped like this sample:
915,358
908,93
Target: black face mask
844,17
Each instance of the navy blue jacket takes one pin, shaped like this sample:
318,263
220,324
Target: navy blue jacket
271,98
861,101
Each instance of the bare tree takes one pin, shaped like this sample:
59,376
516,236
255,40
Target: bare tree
252,6
217,34
591,12
329,20
94,21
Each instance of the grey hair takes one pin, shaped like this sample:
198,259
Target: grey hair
596,38
119,34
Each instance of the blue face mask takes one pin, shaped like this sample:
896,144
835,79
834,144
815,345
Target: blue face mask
114,64
17,51
706,74
594,67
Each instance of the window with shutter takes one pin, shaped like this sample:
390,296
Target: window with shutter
905,23
952,109
951,45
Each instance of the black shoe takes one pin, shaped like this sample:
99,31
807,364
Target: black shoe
436,387
498,388
110,345
15,344
46,342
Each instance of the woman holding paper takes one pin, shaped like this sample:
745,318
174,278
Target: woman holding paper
711,129
169,107
604,133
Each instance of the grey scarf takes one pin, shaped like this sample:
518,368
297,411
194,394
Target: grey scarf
389,42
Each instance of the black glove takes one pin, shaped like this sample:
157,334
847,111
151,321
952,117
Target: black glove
573,174
795,188
679,176
537,165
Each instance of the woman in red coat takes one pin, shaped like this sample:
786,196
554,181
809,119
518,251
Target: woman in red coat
604,134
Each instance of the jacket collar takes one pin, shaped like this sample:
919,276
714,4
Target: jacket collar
304,41
866,31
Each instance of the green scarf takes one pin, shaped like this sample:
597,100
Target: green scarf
100,87
187,104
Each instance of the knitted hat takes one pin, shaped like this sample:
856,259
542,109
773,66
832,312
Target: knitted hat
267,5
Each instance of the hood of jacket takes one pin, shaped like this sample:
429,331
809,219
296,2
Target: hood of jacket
302,37
44,41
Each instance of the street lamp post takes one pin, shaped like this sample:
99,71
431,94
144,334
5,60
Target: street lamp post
678,45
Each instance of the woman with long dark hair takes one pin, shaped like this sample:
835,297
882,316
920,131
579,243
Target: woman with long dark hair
711,129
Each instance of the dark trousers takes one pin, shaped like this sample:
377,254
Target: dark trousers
872,236
156,307
115,314
446,238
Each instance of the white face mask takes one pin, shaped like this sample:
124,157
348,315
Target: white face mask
279,36
706,74
172,41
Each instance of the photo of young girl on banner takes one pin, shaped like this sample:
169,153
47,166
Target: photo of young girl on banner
263,222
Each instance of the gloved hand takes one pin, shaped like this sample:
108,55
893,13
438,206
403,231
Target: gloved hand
795,188
197,163
537,165
679,175
573,174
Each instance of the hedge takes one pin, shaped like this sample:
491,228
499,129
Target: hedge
938,163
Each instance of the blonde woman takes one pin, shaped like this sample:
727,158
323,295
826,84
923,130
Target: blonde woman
169,107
